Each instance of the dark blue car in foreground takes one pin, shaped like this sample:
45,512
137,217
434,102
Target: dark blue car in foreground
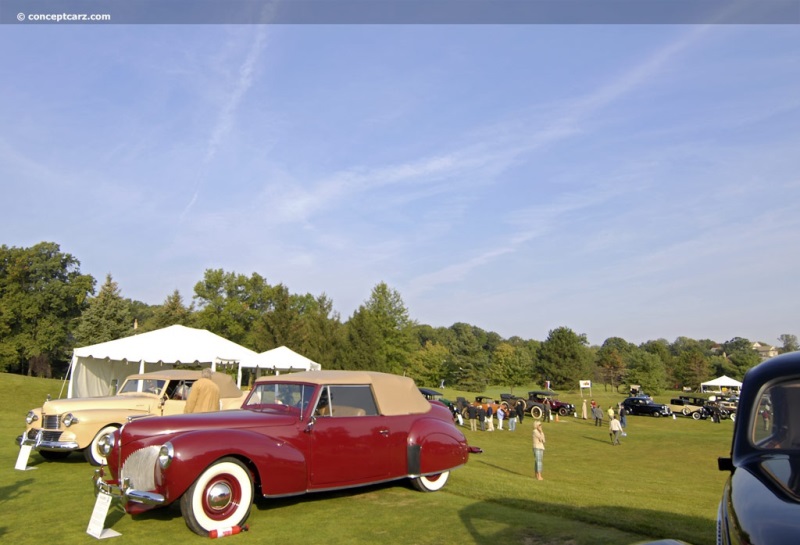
761,500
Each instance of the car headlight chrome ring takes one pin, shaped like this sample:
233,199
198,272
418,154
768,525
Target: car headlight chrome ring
69,419
105,444
31,417
165,455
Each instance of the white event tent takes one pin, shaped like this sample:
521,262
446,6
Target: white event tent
93,368
721,384
278,359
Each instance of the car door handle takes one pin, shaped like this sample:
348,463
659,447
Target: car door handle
384,432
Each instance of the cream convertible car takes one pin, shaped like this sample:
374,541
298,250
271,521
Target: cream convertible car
65,425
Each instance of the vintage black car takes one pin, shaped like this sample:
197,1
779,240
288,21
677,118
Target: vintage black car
645,406
761,499
535,403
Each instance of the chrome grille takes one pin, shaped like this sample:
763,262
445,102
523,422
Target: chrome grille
48,436
51,422
52,436
140,468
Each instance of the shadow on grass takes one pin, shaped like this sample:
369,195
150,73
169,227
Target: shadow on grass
477,517
73,458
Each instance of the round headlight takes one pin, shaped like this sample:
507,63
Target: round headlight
105,444
31,417
165,455
69,419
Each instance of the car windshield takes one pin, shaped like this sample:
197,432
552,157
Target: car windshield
279,397
143,385
775,424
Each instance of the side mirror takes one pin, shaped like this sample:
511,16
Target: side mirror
310,425
725,464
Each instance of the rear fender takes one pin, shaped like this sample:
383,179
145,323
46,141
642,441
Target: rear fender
277,467
435,446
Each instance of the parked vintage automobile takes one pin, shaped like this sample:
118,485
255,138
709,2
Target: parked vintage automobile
534,403
433,395
62,426
556,405
686,407
645,406
761,499
296,433
482,401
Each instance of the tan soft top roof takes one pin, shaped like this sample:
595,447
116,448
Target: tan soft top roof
227,387
394,394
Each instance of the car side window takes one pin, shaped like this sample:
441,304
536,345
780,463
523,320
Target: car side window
346,401
775,424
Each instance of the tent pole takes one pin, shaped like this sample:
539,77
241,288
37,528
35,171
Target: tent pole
72,364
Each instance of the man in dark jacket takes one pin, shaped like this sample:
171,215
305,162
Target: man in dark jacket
520,408
472,415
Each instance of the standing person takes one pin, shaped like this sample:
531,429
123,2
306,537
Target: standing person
548,411
597,413
538,449
472,415
500,415
715,414
204,395
583,410
520,411
482,417
489,418
512,419
623,419
610,412
457,415
614,430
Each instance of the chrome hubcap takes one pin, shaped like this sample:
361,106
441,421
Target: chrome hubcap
219,496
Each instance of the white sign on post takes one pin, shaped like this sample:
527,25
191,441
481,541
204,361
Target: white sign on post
22,458
98,519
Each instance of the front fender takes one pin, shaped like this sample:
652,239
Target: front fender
92,421
435,446
277,466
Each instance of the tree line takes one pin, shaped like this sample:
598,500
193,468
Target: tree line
48,307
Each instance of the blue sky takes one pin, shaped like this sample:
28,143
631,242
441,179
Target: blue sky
631,181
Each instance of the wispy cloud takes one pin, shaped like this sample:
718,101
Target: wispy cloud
540,220
230,105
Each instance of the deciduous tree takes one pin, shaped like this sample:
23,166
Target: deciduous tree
788,343
564,358
42,293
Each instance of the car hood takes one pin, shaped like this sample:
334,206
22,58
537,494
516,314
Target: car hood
765,499
170,425
135,402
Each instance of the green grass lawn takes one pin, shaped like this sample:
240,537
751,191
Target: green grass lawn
661,482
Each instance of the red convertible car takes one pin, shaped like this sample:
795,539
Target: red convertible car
296,433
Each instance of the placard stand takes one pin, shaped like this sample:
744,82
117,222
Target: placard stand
98,520
22,458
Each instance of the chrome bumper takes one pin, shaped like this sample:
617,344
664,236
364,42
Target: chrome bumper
39,443
124,493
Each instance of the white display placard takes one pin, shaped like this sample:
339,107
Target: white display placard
98,519
22,458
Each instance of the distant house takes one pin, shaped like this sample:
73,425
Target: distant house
765,350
